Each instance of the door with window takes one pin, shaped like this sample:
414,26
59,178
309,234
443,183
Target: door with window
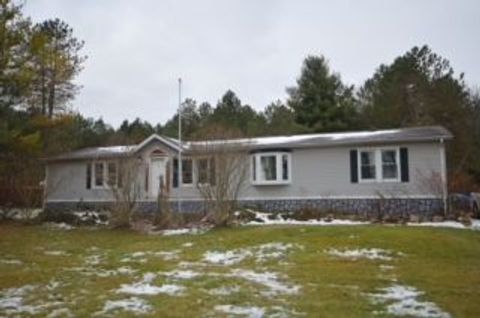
157,175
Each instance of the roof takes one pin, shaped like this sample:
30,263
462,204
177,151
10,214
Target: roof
413,134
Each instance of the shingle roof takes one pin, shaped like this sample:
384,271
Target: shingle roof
413,134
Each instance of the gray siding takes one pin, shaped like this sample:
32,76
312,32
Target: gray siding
316,173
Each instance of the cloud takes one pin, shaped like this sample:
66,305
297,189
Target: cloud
138,49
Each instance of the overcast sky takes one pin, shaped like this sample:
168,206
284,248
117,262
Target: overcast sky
138,49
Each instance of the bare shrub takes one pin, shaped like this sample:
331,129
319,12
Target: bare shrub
222,169
125,190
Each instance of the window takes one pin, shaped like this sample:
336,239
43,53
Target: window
268,166
187,172
285,167
98,174
112,174
206,171
271,168
89,175
378,165
390,164
104,174
367,165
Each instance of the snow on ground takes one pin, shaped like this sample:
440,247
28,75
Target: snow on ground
12,300
56,253
144,287
11,261
250,312
181,274
224,291
271,280
90,216
403,300
141,256
59,226
475,225
191,231
261,253
363,253
133,304
188,244
276,219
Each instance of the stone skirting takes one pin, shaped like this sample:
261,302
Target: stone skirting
365,207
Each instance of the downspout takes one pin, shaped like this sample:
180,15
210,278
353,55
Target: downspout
444,176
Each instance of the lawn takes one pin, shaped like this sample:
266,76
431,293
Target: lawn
275,271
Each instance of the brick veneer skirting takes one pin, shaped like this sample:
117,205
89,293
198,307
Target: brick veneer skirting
422,207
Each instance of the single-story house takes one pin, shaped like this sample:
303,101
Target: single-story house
400,170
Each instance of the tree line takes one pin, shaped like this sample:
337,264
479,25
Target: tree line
39,63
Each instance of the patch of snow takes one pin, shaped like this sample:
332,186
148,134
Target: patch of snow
192,231
11,261
144,287
12,300
56,253
261,253
60,313
25,214
224,291
181,274
363,253
267,279
250,312
133,304
90,216
475,225
402,301
59,226
276,219
226,258
93,260
188,244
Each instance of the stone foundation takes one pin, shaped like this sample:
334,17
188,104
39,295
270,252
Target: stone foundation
362,207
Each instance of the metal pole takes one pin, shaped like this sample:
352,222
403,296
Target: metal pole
180,181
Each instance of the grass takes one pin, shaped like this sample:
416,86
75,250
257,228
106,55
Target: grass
443,263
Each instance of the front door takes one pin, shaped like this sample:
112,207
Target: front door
157,175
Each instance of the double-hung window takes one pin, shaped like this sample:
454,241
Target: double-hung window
103,174
187,171
379,165
270,168
206,171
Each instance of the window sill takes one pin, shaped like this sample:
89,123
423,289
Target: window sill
271,183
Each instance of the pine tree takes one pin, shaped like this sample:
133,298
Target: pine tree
320,100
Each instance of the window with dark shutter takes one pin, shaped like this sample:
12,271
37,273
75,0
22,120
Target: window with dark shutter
404,168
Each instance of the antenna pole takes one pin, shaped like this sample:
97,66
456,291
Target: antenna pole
179,165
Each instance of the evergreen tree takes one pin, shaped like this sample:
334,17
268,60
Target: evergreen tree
56,61
320,100
281,120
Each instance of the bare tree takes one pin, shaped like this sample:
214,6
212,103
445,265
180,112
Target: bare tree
222,165
125,187
433,184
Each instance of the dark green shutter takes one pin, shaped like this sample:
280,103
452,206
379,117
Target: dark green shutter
353,166
405,177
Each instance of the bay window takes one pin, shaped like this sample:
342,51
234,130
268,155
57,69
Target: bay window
271,168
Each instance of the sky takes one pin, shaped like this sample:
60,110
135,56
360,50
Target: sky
137,49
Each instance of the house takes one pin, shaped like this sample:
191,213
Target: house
400,170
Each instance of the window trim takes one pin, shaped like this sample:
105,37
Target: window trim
210,163
378,164
105,164
255,171
193,173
